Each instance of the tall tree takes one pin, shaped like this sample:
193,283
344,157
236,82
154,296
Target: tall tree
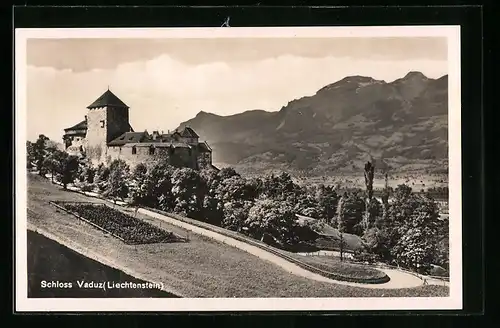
30,154
39,152
385,200
369,174
350,211
188,192
117,186
275,220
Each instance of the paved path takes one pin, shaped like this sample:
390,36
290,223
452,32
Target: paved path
398,279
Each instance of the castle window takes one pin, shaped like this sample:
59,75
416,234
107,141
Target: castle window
151,150
102,123
134,150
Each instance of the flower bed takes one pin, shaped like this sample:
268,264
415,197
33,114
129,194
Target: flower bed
125,227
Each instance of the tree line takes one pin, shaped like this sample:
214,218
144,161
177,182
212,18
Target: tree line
407,231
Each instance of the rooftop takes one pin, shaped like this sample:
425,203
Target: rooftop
107,99
80,126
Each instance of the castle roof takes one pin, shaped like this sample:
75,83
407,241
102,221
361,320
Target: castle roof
128,137
204,148
107,99
158,144
80,126
189,133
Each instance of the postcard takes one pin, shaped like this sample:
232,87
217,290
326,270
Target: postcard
238,169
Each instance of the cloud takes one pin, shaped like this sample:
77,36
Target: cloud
164,91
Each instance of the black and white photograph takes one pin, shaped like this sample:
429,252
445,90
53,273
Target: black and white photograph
237,169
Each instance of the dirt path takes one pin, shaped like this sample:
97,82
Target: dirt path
398,279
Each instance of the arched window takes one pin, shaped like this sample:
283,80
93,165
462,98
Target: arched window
134,150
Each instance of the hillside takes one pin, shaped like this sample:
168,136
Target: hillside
402,125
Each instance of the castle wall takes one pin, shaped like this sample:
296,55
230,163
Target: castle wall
103,125
141,156
118,122
96,135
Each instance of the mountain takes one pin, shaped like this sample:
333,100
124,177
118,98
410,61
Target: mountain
402,125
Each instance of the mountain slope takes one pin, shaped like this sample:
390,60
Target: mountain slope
402,125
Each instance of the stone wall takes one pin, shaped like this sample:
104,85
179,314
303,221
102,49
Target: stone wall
117,122
96,135
103,125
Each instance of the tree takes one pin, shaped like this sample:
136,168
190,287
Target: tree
212,203
50,164
280,187
30,154
101,176
68,169
117,187
415,230
369,174
187,192
62,165
39,153
235,213
274,219
153,188
327,200
350,213
385,202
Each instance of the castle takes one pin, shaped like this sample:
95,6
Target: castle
106,134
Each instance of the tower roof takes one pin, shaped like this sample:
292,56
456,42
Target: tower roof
189,133
107,99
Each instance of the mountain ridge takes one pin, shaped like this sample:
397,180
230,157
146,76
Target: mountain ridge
401,124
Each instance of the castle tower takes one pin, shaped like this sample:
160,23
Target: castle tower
107,118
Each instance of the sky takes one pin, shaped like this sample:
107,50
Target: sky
168,81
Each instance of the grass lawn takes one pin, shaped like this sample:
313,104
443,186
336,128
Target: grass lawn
334,265
200,268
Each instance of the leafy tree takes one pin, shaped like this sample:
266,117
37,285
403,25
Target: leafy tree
415,230
280,187
188,192
68,169
385,203
39,153
139,172
274,219
62,165
376,242
327,199
153,188
30,154
350,213
118,177
212,203
227,172
235,213
102,177
369,174
50,164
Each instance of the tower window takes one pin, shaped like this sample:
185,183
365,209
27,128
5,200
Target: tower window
134,150
102,123
151,150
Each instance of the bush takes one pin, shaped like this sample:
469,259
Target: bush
87,187
364,256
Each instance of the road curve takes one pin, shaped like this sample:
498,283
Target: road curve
398,279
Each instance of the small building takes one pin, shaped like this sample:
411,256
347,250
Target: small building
106,134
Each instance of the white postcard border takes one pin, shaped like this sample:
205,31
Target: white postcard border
454,301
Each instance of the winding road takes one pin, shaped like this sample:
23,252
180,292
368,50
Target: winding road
398,279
